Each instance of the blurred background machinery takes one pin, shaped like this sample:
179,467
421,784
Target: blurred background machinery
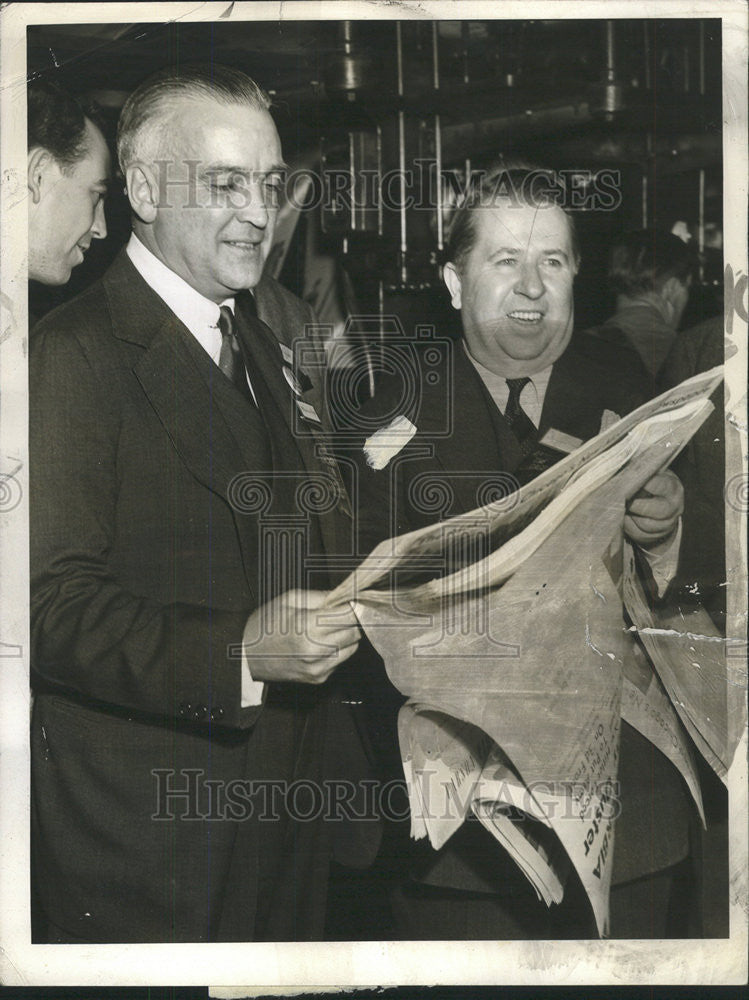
384,121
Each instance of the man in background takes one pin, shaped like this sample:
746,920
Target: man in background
68,177
650,272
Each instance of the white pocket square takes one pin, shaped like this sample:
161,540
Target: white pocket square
608,419
385,443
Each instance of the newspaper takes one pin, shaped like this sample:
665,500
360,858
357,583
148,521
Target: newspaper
452,767
647,707
507,517
529,646
690,657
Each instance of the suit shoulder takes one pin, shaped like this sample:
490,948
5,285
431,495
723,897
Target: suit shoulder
696,349
606,346
271,295
78,318
618,377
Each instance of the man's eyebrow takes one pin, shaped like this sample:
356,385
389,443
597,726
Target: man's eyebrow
228,168
517,250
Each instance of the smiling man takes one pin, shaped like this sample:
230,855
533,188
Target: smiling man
508,400
178,660
68,176
513,287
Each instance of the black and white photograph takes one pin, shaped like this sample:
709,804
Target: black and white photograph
373,494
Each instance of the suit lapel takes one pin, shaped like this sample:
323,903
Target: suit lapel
212,428
279,403
570,405
208,421
479,441
276,398
290,329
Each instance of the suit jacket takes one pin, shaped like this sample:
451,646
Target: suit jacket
461,448
702,470
641,328
152,484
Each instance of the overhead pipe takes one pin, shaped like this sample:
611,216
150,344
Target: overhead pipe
401,152
378,141
701,207
464,37
613,93
701,224
437,133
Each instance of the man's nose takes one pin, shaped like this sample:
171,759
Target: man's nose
529,281
252,206
99,227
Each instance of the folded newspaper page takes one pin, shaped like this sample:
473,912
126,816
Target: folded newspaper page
442,761
692,660
529,645
536,665
506,517
510,812
647,707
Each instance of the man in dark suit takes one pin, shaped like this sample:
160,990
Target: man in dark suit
503,404
178,555
651,273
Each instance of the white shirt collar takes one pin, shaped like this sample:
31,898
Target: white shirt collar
531,397
197,312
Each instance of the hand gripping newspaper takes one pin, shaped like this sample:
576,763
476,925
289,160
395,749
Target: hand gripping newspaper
519,667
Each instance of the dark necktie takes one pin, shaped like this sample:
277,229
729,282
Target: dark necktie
537,458
231,360
519,422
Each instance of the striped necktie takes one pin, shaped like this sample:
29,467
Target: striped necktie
230,360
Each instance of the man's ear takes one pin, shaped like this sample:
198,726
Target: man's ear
40,162
674,293
454,285
142,191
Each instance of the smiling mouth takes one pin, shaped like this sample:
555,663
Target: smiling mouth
526,315
243,244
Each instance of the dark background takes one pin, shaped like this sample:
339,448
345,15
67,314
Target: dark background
639,96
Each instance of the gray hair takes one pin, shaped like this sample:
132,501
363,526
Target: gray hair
141,125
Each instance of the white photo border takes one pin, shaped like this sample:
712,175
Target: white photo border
336,965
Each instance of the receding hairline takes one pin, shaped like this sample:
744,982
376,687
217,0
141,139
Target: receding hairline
151,133
156,100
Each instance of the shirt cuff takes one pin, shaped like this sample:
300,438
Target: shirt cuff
252,691
663,565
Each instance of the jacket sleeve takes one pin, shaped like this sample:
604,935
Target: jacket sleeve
89,634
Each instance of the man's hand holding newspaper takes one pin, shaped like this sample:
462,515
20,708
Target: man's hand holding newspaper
652,517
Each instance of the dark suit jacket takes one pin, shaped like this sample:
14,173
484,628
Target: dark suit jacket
147,555
463,443
701,468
